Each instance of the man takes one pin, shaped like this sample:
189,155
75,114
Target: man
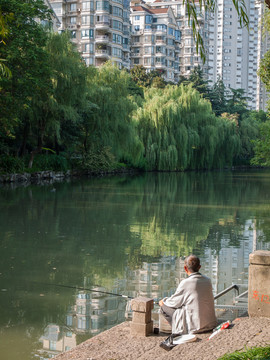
191,308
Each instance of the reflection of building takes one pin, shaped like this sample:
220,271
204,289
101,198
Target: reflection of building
95,312
153,279
55,340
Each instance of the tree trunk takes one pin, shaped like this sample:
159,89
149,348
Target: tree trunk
22,150
36,151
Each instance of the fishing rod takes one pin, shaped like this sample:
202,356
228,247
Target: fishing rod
92,290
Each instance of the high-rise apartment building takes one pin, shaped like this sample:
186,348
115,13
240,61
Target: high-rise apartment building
188,54
100,29
155,40
235,52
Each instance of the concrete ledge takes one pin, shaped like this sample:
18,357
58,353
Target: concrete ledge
118,344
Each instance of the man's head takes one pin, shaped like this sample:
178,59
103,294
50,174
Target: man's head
192,264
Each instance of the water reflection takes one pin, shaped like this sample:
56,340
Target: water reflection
128,235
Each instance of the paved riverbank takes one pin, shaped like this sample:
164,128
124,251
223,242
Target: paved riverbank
118,344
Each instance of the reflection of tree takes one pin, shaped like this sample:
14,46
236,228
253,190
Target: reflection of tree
95,229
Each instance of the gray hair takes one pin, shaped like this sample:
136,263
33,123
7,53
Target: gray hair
192,262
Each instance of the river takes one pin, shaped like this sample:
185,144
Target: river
121,234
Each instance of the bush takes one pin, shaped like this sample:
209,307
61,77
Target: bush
10,164
101,159
52,162
259,353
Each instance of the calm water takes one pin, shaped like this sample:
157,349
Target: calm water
126,235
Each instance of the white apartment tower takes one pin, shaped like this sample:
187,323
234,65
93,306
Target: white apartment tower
99,28
155,40
188,55
235,52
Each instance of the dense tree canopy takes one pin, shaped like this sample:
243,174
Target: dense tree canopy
98,118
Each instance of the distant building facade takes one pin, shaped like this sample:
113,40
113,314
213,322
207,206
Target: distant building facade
158,35
155,41
100,29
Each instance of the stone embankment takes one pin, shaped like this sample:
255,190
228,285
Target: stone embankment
53,176
117,343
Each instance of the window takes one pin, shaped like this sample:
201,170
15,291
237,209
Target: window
116,11
88,5
73,34
149,50
89,48
136,39
89,61
161,49
52,345
160,60
170,31
137,27
117,39
117,52
83,322
102,5
136,50
177,35
73,7
161,27
117,25
87,34
137,17
69,320
86,20
73,20
148,19
170,42
136,61
147,61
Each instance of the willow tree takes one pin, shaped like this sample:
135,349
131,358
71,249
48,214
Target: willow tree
228,140
59,107
178,129
111,124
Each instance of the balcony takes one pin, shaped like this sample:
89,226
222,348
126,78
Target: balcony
102,11
102,39
160,65
161,31
102,53
161,41
102,25
126,48
73,26
136,54
159,53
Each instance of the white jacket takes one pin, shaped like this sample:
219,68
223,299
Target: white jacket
194,302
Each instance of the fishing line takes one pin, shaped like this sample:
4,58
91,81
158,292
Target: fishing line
87,289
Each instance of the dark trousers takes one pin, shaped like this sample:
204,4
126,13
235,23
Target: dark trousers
167,312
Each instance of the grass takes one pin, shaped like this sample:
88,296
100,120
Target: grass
256,353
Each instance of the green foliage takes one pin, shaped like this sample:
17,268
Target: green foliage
24,45
197,80
262,146
179,130
142,78
256,353
111,123
10,164
101,159
50,162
